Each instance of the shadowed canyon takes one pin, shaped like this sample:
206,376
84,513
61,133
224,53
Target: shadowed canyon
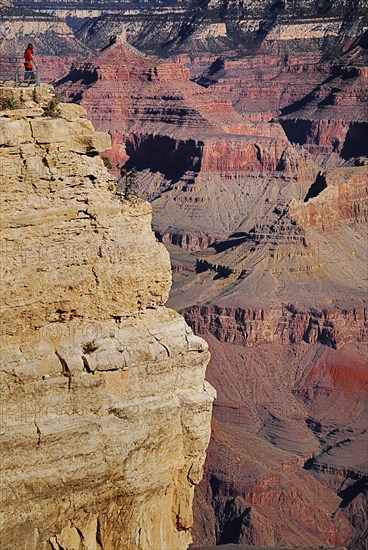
244,125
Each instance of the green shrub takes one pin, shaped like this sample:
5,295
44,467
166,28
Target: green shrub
10,102
129,184
107,162
52,109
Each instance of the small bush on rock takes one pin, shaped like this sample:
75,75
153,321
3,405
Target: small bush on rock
107,162
10,102
130,190
52,109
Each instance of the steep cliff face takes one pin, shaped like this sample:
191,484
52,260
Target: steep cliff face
334,328
105,411
336,196
331,122
280,291
261,84
189,145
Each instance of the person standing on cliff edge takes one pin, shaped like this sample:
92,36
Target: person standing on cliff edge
29,65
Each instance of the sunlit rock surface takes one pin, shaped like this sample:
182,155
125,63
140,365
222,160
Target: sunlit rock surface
105,410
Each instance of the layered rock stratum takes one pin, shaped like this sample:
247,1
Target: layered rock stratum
258,182
271,272
105,410
189,145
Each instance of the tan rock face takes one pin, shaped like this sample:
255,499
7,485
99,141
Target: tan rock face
105,411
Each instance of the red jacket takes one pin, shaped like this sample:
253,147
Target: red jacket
28,58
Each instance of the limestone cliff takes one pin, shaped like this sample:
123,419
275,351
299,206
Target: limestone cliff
105,410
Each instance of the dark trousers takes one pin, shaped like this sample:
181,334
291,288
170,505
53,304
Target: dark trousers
29,75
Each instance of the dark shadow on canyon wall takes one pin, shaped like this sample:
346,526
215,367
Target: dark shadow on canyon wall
163,154
356,142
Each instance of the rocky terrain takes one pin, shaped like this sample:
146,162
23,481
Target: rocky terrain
105,409
217,26
271,270
286,463
331,122
189,145
245,125
283,307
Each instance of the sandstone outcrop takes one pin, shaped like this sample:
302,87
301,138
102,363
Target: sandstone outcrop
105,410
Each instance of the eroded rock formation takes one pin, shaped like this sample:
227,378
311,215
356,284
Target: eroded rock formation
105,410
331,122
262,55
286,463
334,327
287,457
189,145
280,289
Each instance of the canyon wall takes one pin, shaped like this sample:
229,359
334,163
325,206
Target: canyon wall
287,459
188,145
331,122
336,197
333,327
279,290
283,309
259,174
105,410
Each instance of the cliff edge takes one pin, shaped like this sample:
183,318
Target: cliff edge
105,411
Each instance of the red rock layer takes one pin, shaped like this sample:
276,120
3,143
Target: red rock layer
343,199
187,241
260,86
136,99
333,327
251,154
280,410
334,118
